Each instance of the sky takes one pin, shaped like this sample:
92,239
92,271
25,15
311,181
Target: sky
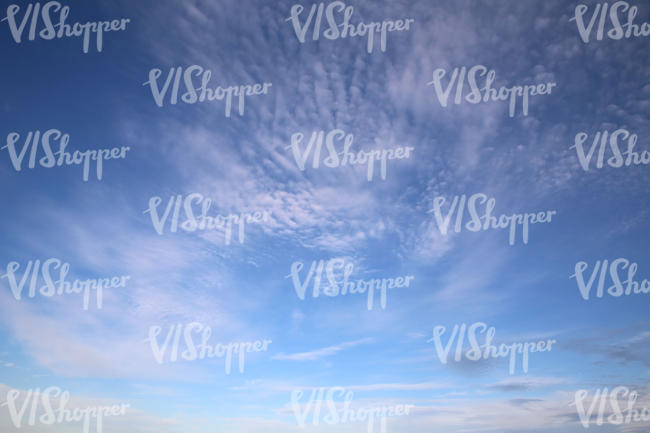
242,288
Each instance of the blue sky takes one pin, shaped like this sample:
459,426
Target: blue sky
383,227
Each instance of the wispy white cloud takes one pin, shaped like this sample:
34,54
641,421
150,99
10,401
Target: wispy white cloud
321,353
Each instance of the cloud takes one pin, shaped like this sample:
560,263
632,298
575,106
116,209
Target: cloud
399,386
321,353
615,345
526,383
243,164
